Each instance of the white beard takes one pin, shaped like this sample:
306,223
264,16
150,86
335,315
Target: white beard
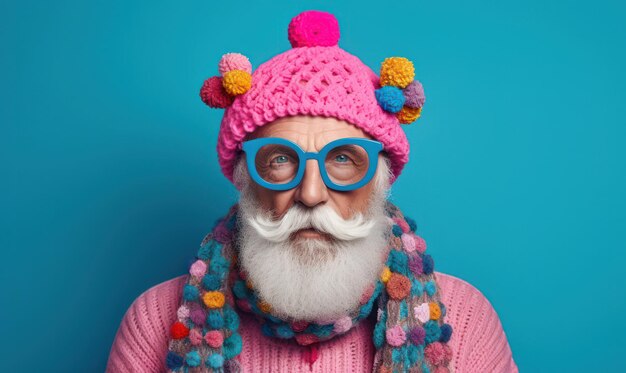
312,279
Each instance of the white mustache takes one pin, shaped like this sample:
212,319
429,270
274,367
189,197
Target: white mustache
322,218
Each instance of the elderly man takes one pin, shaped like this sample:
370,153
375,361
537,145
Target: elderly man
314,269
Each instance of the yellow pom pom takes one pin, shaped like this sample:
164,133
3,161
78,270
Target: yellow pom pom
408,114
385,275
396,71
237,82
213,299
435,311
264,306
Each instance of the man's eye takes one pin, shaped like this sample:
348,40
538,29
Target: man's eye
342,158
281,159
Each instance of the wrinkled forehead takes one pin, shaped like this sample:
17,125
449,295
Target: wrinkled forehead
309,132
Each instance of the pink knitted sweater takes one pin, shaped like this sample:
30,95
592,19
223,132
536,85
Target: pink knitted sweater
478,341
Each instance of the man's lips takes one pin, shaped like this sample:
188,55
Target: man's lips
311,233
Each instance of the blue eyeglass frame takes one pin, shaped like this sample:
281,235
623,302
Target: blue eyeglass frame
372,147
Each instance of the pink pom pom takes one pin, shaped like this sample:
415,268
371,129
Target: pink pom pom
343,324
435,354
408,242
396,336
214,338
182,313
195,336
198,268
213,94
420,244
234,61
442,370
313,29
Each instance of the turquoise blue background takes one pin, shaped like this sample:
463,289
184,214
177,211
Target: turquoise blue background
110,178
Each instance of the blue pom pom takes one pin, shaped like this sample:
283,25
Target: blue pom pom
411,223
219,265
240,289
397,231
425,368
215,361
430,288
211,281
173,360
193,359
214,320
209,250
284,331
231,319
428,264
190,292
232,346
417,289
446,333
396,355
398,262
433,331
390,98
413,355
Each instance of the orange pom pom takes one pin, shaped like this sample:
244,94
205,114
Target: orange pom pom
237,82
213,299
435,311
398,286
396,71
408,114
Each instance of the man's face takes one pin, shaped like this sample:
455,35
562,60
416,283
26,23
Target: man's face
310,252
311,134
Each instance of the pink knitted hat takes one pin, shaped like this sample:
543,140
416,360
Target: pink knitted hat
316,77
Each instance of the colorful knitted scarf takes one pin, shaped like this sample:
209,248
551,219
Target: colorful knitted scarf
409,336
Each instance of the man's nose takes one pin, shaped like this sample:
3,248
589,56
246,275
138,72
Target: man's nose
312,190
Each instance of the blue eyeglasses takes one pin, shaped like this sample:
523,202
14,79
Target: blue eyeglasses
345,164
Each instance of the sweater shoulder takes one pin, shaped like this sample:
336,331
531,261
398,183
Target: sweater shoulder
140,344
478,337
